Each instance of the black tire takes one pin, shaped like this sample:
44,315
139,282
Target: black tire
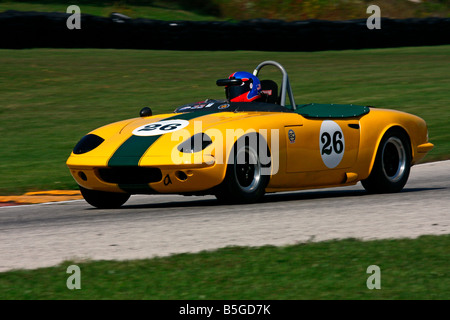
244,182
392,164
104,200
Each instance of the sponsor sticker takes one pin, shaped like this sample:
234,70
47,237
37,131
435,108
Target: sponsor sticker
198,106
223,106
291,135
184,108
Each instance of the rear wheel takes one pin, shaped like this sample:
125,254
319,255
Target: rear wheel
245,180
392,164
104,200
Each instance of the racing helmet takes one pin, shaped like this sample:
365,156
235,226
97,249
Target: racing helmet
248,90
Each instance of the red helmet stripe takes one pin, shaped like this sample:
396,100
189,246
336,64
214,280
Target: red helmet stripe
244,98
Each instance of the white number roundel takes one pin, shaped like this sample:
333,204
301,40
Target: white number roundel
332,143
160,127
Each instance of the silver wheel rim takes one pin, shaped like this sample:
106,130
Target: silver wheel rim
393,159
247,169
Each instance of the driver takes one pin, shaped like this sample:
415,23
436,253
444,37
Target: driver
249,90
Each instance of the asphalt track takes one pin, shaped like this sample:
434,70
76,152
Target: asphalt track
33,236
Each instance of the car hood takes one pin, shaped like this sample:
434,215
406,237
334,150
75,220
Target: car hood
132,142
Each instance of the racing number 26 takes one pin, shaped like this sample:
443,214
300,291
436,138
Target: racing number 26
330,143
167,127
160,127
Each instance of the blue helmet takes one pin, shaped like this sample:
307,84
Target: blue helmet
248,91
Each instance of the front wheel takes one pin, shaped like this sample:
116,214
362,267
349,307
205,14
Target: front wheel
392,164
245,180
104,200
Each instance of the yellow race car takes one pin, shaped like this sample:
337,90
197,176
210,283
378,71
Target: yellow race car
249,144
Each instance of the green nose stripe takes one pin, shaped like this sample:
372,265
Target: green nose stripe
132,150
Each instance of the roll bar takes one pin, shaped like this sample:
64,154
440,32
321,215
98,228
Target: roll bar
285,86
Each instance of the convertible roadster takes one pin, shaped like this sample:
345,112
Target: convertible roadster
238,149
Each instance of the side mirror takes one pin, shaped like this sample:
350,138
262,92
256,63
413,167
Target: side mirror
146,112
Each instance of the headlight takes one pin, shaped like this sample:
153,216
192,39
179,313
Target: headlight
87,143
196,143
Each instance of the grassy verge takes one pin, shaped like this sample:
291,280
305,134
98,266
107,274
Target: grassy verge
50,98
409,269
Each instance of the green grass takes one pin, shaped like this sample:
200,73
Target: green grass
410,269
50,98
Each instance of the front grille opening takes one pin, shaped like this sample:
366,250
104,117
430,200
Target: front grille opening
130,175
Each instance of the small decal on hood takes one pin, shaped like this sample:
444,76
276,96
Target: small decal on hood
223,106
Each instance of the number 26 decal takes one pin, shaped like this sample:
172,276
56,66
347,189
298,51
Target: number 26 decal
160,127
331,143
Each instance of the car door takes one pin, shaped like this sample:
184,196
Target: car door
320,145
